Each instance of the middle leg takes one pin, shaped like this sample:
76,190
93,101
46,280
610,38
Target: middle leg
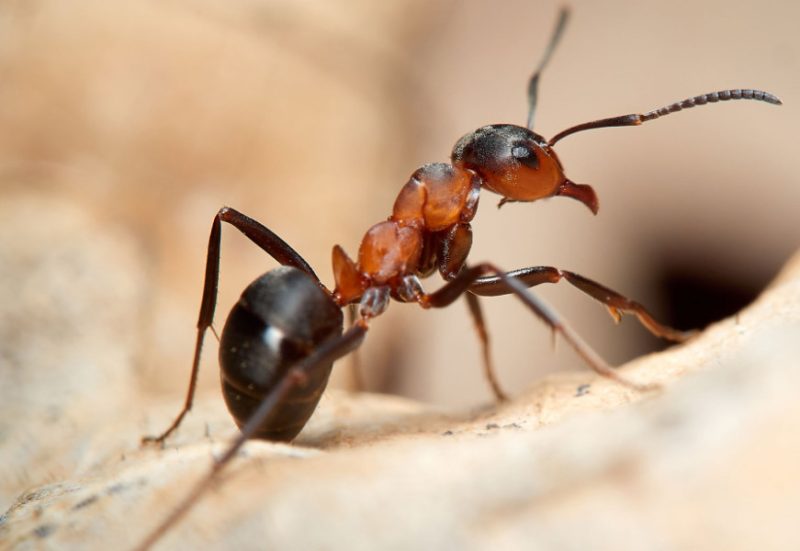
467,278
617,304
452,251
483,335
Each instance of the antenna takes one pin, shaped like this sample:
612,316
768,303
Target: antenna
636,120
533,83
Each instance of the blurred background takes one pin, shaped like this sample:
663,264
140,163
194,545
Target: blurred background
309,116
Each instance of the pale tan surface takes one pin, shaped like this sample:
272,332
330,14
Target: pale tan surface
708,462
108,115
310,116
153,115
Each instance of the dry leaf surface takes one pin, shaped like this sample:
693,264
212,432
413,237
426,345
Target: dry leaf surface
575,461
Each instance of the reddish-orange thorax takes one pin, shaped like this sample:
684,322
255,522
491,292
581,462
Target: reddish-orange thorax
436,197
389,250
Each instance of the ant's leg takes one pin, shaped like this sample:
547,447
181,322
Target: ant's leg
261,236
480,326
297,375
462,283
452,253
616,303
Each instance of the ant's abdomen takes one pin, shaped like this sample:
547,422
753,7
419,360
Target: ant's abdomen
280,318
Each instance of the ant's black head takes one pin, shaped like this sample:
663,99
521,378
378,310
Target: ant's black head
517,163
491,146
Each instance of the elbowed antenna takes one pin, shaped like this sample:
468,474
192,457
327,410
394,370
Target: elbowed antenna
637,119
533,83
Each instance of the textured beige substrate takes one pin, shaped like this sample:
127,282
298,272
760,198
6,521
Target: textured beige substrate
710,462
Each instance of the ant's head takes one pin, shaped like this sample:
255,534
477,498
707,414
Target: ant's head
518,164
521,165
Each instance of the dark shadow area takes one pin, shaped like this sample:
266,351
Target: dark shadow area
695,296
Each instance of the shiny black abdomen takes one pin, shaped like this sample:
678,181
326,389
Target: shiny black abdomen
280,318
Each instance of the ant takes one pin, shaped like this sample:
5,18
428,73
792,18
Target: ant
280,341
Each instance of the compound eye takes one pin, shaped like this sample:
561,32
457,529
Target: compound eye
525,155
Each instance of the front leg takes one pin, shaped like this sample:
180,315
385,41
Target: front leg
467,277
617,304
